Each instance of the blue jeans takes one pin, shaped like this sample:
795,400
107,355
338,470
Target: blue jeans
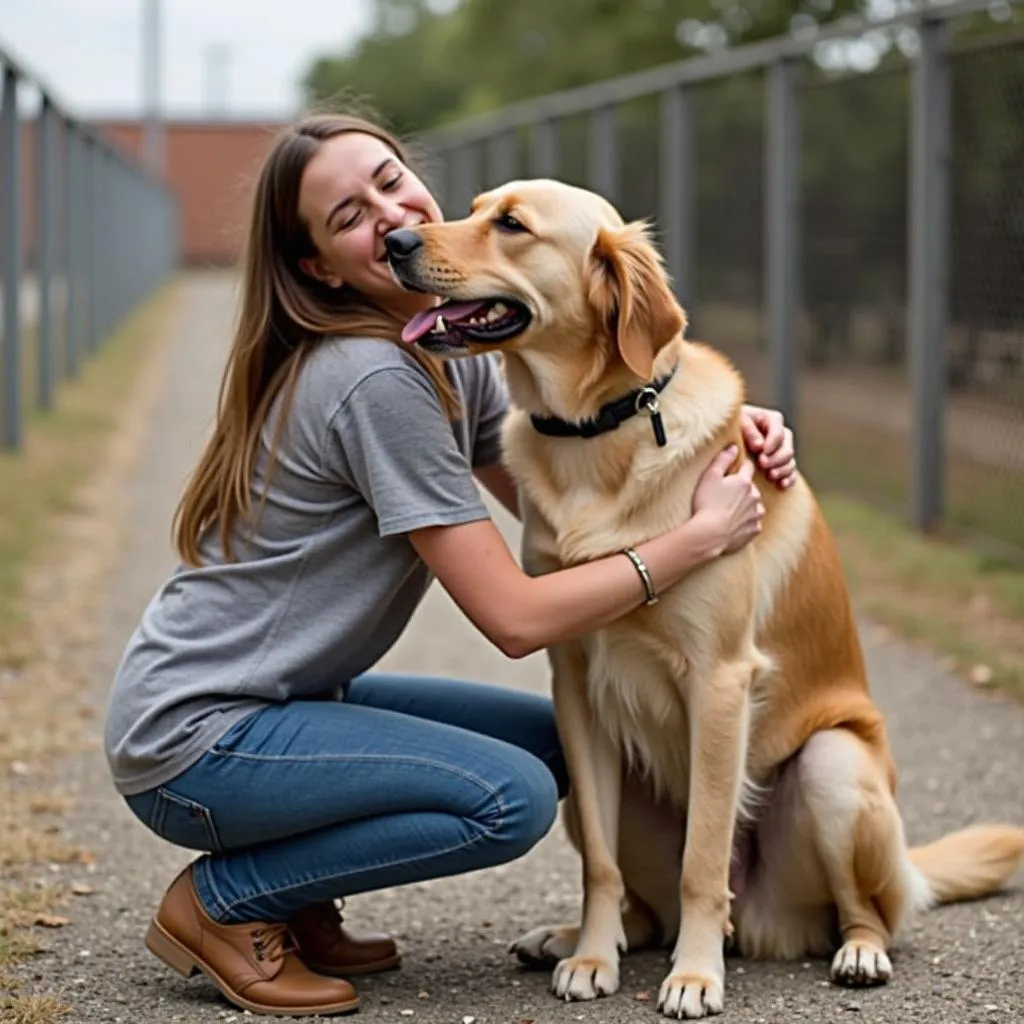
407,778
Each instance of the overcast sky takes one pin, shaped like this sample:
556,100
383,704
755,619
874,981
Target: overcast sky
89,50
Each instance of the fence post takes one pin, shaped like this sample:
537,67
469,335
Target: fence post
172,213
101,244
10,252
502,164
928,312
44,251
91,232
603,169
76,258
677,203
544,155
782,233
466,175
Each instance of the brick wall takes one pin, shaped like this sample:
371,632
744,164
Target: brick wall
212,167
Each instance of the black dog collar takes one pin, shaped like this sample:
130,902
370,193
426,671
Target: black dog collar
611,414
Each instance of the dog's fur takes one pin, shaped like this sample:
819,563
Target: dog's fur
730,773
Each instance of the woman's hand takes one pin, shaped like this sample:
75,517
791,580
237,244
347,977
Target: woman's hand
728,503
770,441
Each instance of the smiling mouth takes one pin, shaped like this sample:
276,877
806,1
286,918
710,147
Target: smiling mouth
455,322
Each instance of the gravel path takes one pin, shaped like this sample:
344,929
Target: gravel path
961,756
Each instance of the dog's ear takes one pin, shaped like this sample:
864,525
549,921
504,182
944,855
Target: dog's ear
630,292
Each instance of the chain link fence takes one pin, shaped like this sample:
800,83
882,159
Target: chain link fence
985,342
854,387
939,436
85,234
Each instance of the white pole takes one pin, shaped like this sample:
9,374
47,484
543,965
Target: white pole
216,90
153,134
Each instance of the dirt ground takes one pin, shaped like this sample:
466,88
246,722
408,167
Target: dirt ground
961,756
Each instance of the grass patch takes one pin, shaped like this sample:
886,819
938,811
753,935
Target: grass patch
27,836
864,460
17,943
61,448
59,518
32,1010
20,910
955,599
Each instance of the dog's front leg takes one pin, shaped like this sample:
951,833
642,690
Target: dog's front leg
595,771
718,745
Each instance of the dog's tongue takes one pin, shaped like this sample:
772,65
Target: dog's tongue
453,312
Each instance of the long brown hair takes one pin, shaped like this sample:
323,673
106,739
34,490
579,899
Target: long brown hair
283,314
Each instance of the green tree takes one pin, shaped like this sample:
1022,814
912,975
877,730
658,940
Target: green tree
427,62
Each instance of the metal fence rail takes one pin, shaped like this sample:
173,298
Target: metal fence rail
84,236
854,241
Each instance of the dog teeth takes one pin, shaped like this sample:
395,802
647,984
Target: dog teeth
440,327
496,312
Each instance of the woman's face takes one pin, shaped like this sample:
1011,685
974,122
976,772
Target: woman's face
353,192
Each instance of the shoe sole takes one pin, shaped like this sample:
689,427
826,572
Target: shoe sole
375,967
165,947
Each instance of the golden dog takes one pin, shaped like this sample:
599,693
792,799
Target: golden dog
730,772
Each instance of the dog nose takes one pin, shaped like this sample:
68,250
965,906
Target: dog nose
402,243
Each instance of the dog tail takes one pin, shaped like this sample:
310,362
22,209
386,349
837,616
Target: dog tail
967,864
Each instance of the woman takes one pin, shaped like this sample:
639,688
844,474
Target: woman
339,478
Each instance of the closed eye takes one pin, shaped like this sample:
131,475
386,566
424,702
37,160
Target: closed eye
388,185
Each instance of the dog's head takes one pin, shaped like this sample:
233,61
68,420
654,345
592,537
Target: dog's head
540,267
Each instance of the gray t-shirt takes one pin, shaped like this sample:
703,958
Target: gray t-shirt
326,582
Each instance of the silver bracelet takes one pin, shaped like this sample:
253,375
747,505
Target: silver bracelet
645,576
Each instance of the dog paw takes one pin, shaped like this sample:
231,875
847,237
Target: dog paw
585,977
545,946
688,996
860,964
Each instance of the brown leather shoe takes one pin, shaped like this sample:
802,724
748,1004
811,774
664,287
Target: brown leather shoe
253,964
328,948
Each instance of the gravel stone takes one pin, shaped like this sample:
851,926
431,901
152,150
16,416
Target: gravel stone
960,752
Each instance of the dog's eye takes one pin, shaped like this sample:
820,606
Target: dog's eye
506,222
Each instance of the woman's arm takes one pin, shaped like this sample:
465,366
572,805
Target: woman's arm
521,614
498,481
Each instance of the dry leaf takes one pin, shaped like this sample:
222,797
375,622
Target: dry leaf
81,889
643,997
51,920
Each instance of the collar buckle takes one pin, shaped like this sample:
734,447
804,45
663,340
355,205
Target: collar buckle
611,415
647,399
